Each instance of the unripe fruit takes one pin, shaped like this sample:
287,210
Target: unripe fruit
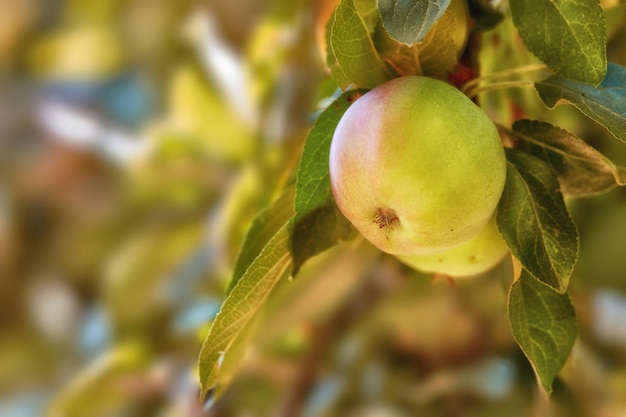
477,255
416,166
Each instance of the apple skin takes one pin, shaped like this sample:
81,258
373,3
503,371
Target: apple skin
416,166
477,255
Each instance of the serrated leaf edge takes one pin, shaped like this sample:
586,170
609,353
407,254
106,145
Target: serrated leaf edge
560,290
619,172
208,378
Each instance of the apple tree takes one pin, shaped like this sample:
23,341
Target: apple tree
550,78
313,208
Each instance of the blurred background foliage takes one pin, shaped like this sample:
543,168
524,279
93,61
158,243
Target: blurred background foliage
138,140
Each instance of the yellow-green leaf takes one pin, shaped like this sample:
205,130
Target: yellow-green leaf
242,305
263,228
352,57
318,222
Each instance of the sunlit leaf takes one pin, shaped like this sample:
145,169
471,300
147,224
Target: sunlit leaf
235,212
544,325
242,305
569,36
534,221
265,225
606,104
405,60
352,57
318,222
582,170
368,10
440,49
232,358
408,21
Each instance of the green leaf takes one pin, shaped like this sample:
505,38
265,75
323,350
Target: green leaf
240,307
264,226
568,36
352,57
438,52
318,222
606,104
368,10
408,21
543,322
405,60
582,171
534,221
232,358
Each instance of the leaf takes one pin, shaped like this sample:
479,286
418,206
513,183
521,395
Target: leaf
582,170
368,10
264,226
408,21
534,221
240,307
543,324
438,53
568,36
232,358
318,222
352,57
239,205
606,104
403,59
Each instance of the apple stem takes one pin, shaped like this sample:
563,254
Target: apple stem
499,86
385,218
524,69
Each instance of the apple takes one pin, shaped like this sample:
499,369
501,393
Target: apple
416,166
477,255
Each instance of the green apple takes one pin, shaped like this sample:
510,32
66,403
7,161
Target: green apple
416,166
477,255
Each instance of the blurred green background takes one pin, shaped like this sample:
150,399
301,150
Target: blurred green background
138,139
